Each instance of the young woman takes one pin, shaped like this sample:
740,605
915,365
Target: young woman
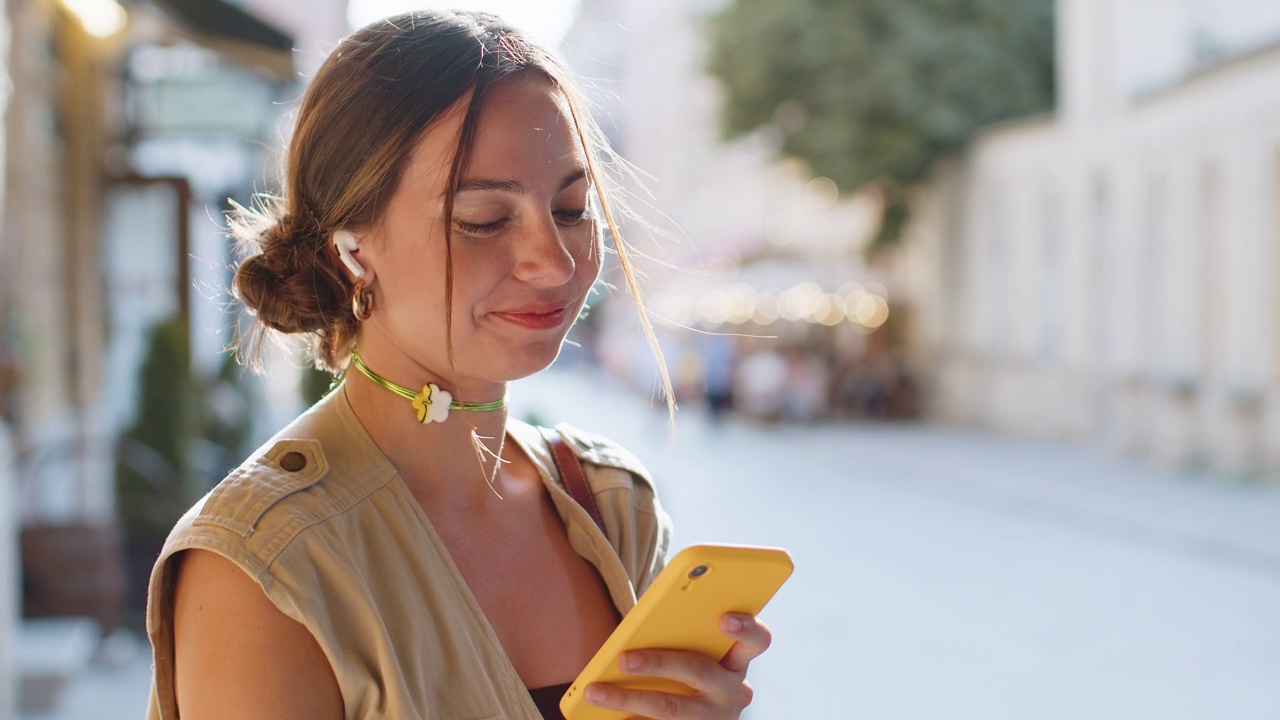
404,549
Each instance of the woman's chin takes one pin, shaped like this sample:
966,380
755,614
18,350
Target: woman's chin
531,363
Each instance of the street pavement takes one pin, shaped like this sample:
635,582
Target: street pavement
945,573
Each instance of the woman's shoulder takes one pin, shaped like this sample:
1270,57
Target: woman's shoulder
605,461
314,469
603,452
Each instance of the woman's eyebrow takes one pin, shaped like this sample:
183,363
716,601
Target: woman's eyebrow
510,186
572,178
513,186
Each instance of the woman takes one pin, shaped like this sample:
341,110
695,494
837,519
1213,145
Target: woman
402,549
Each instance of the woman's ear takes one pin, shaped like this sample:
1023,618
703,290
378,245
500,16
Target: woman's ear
346,244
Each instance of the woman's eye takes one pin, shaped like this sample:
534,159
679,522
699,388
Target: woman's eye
573,217
487,228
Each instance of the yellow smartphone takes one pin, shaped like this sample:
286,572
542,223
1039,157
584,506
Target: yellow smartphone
681,610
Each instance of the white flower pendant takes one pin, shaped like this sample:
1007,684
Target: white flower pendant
432,404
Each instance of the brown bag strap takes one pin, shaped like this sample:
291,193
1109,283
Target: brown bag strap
575,481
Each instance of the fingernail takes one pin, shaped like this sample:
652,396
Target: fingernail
631,662
595,695
733,623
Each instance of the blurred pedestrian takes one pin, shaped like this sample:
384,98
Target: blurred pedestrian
807,387
404,549
760,385
719,360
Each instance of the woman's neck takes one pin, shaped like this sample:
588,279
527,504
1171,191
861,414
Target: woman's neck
440,461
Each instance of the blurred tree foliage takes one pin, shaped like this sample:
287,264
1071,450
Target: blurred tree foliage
188,434
876,90
229,407
154,478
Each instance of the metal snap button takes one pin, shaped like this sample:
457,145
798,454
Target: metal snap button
293,461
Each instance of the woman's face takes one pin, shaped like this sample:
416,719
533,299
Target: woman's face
525,250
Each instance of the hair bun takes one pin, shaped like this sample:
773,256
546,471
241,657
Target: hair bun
288,288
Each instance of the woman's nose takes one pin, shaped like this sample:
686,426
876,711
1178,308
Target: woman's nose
542,255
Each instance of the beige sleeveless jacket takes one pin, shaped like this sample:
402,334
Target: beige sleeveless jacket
320,519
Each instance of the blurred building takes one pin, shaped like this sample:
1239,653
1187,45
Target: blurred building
1110,271
8,524
743,242
127,127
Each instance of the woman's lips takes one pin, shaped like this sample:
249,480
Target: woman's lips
535,318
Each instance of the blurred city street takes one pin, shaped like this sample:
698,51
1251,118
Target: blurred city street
942,573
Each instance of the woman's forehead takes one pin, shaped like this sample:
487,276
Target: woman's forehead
521,122
521,125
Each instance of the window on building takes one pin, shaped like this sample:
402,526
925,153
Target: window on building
1212,248
1101,318
1274,245
1051,327
996,280
1152,272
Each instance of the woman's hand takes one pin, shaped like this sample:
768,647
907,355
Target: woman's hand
720,689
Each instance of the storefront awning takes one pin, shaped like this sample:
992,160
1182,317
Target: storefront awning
235,32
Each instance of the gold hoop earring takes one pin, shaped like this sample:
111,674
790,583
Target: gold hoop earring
361,302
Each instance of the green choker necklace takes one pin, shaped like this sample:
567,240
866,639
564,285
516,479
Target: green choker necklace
431,404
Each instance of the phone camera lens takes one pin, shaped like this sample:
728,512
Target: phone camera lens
698,571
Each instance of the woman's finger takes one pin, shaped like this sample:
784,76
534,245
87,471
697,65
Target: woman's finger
753,638
699,672
667,706
646,703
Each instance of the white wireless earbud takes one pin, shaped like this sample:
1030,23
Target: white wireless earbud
345,243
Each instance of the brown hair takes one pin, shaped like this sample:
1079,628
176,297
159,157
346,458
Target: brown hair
366,108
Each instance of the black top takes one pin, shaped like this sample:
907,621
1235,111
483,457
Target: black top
548,700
